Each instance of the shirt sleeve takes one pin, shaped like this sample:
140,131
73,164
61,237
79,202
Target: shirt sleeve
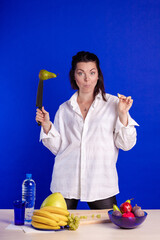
52,140
125,137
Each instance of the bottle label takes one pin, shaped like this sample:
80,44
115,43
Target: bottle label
29,214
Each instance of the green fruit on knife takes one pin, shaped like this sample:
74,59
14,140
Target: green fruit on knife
44,75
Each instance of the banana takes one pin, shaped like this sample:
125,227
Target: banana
61,217
44,220
62,223
46,214
56,210
43,226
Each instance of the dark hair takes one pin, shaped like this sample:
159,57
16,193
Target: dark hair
87,57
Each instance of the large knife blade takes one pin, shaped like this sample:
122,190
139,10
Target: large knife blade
39,99
43,75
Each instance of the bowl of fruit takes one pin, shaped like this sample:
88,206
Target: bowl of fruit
127,216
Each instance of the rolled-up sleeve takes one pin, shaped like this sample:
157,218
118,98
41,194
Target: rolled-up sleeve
52,140
125,137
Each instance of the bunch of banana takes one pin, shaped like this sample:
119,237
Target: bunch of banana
50,218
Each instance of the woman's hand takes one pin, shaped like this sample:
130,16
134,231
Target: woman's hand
125,103
42,116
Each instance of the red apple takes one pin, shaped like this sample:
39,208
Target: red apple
126,207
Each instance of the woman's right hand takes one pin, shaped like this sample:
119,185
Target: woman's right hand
42,116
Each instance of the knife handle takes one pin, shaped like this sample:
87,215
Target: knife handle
39,123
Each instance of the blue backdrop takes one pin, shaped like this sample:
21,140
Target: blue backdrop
37,35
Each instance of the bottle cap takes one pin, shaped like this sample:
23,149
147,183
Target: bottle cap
28,175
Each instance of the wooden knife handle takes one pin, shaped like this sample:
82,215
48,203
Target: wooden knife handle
39,123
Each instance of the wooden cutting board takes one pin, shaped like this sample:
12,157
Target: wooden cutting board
91,216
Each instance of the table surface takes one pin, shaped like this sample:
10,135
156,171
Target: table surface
150,229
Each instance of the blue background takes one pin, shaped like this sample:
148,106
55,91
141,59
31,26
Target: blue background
37,35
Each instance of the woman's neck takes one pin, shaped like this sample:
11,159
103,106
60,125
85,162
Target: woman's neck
84,101
85,97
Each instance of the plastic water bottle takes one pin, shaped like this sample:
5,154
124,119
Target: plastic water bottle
29,195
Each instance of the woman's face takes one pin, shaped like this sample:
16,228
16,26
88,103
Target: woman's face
86,76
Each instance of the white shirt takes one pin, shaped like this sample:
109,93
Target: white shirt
87,150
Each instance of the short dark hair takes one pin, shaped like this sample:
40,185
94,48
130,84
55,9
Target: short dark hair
87,57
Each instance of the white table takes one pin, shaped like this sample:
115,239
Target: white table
149,230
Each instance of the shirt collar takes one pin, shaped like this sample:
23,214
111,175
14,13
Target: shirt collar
73,100
98,97
74,104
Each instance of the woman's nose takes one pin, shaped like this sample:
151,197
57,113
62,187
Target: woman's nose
86,77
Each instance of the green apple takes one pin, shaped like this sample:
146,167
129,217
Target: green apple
56,200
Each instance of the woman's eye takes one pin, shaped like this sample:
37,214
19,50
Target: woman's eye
80,73
92,73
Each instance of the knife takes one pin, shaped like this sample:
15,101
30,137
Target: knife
39,99
43,75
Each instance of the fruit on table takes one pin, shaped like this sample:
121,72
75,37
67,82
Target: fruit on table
73,222
44,226
53,214
44,75
139,212
127,211
44,220
129,200
128,214
59,213
50,218
61,217
116,208
126,207
46,214
117,213
54,218
56,210
55,199
135,208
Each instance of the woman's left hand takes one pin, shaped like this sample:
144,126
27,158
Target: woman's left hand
125,103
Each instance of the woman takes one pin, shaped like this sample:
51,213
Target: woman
88,131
